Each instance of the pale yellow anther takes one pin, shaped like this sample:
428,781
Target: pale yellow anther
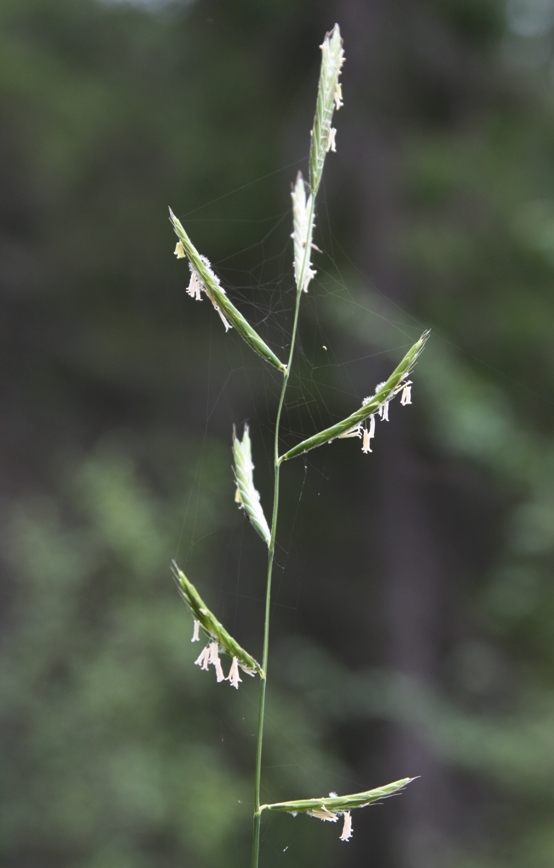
234,677
195,287
323,814
331,140
204,659
347,828
215,661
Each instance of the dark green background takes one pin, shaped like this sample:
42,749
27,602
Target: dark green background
413,606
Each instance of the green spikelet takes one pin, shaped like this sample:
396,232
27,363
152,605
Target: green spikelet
303,228
394,384
209,283
329,98
339,804
247,496
329,809
214,630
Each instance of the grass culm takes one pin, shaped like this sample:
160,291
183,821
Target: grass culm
359,424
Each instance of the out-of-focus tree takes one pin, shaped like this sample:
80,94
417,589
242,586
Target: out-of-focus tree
117,751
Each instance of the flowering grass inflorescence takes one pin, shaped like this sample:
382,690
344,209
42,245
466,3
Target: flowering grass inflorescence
361,424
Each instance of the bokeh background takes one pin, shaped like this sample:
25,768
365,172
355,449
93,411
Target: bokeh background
414,608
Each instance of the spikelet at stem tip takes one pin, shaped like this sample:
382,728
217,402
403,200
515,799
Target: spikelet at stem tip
329,98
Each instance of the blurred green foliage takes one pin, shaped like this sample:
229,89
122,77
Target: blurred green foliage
120,393
119,750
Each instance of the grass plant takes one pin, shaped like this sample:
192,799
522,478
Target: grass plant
360,424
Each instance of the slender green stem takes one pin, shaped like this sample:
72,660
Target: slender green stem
271,554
